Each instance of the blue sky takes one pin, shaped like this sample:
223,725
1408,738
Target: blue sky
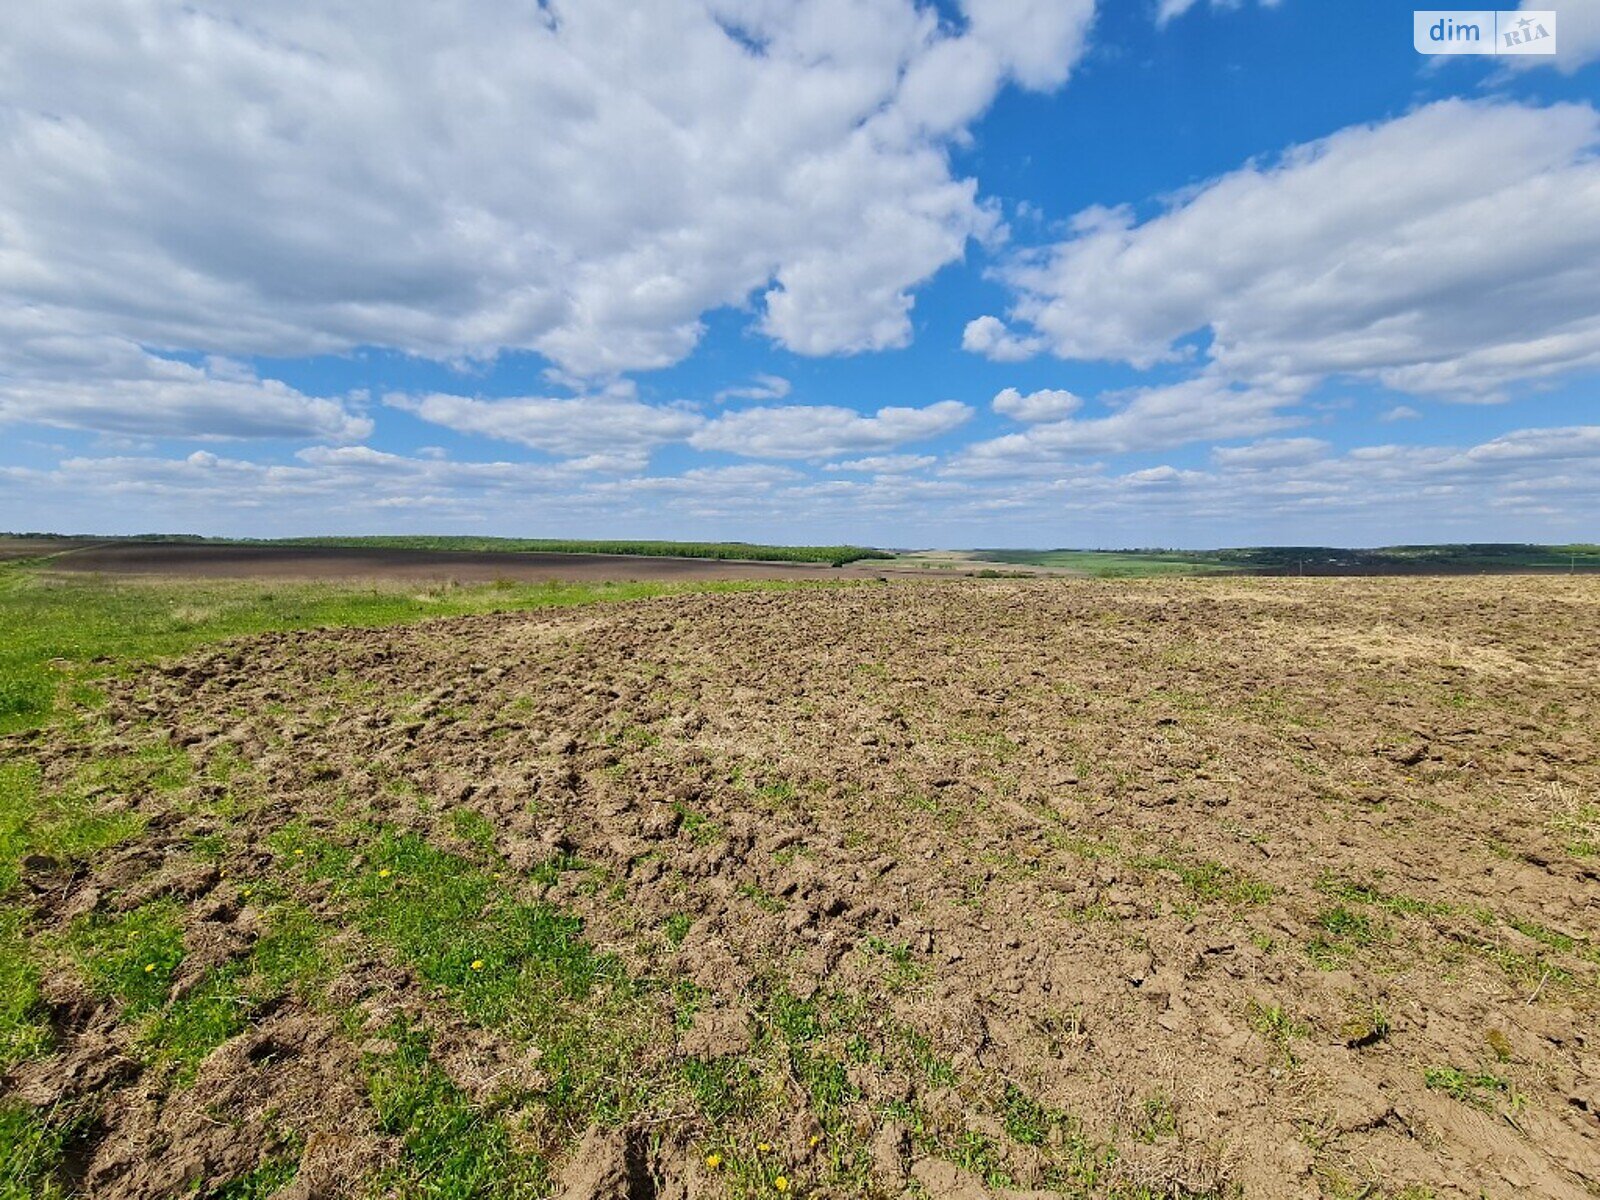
1002,272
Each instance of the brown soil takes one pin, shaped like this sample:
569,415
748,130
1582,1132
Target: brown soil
318,562
1160,853
17,547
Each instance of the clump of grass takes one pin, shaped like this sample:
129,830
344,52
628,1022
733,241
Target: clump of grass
903,969
1543,934
1576,821
549,872
1366,1025
928,1066
66,826
265,1181
804,1026
189,1028
1533,971
24,1032
1157,1120
676,928
450,1148
1477,1088
131,956
1027,1121
688,997
1365,894
760,897
982,1155
1278,1026
33,1143
1210,882
723,1088
475,829
1342,930
702,830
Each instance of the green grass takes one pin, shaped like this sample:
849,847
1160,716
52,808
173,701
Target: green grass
265,1181
701,829
523,968
131,956
1399,905
450,1148
1112,564
59,632
1026,1120
464,932
1477,1088
475,829
1280,1027
32,1144
1210,882
741,551
61,825
24,1033
1583,828
1342,931
292,955
191,1027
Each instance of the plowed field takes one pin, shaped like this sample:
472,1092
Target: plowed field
1184,888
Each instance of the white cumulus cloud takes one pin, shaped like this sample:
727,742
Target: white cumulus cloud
1167,10
1143,419
1577,35
885,464
825,431
1271,452
581,179
112,386
1048,404
1453,251
608,424
760,387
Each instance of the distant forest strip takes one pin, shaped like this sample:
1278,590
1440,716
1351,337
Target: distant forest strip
1462,558
834,555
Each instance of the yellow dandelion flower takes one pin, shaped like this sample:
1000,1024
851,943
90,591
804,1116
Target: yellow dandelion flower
385,873
477,964
148,967
713,1161
816,1138
763,1147
781,1184
299,853
247,891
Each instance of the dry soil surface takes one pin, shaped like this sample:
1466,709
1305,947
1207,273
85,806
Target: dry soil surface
1195,888
184,560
